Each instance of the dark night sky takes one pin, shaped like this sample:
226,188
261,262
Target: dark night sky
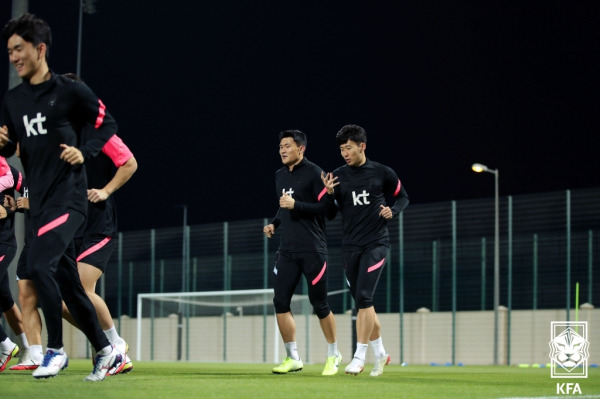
200,92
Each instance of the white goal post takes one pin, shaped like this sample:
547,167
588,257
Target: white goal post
217,325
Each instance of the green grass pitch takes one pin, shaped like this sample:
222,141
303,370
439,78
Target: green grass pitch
223,380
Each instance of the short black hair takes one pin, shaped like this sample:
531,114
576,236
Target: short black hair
351,132
298,136
32,29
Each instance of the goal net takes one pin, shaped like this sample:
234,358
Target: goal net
222,326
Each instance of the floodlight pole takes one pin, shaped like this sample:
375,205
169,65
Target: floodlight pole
79,39
482,168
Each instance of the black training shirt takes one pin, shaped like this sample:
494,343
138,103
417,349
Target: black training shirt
40,118
359,196
302,229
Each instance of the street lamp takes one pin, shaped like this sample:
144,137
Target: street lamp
477,167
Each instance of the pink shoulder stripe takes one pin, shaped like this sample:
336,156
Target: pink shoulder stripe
101,114
53,224
93,248
19,182
398,187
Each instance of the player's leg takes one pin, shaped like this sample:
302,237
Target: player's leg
10,310
368,327
351,269
32,324
8,349
287,274
89,276
94,253
315,271
381,357
84,314
48,264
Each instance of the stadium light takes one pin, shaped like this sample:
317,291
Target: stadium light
478,168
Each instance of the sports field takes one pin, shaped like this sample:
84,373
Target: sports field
220,380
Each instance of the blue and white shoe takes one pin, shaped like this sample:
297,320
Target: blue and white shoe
53,363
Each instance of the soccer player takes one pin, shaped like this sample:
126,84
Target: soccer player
9,179
96,244
30,359
363,186
300,220
44,115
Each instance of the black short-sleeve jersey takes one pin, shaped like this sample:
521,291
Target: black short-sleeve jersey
42,117
359,196
302,229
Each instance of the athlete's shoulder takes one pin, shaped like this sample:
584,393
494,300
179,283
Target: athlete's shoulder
342,169
380,166
312,166
281,170
15,91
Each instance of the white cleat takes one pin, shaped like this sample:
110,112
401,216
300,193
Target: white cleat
355,367
53,363
103,363
26,362
119,367
379,363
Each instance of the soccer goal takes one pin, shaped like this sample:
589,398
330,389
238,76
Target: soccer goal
220,326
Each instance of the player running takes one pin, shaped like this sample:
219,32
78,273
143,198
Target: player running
303,203
10,179
44,115
363,186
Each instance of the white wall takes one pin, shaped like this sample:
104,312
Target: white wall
427,337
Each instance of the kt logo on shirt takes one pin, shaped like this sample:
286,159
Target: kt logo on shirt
360,199
30,125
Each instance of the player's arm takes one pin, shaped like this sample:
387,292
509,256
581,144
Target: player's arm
126,165
330,181
322,199
7,179
7,132
393,187
269,229
94,115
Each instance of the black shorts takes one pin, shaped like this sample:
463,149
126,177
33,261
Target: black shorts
363,269
95,250
288,270
22,273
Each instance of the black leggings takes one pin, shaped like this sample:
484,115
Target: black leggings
53,268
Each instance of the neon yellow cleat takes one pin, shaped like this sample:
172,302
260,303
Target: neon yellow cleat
332,364
289,365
